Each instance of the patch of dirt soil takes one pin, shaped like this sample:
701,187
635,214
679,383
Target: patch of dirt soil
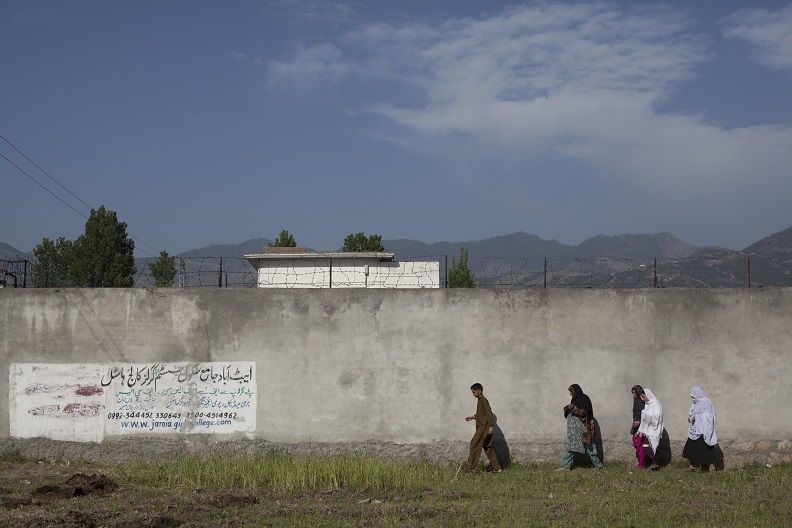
159,521
73,519
9,503
78,485
51,495
58,484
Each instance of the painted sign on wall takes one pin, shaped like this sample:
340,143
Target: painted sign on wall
85,402
62,402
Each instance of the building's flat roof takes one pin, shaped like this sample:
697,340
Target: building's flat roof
329,255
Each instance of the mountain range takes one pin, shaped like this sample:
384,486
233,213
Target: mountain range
526,260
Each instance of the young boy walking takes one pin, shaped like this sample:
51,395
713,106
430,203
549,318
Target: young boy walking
482,439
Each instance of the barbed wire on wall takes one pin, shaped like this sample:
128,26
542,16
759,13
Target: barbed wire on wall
602,272
203,272
733,270
13,273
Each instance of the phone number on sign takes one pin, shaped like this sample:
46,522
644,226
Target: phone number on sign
169,416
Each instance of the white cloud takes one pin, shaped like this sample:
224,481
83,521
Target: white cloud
770,32
582,80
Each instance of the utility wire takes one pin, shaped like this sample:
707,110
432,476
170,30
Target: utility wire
65,189
40,185
45,172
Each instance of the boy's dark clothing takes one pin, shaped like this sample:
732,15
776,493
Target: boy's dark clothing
482,439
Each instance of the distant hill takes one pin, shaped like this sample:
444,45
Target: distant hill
661,245
724,268
767,262
524,245
503,261
8,252
254,245
778,244
518,260
514,245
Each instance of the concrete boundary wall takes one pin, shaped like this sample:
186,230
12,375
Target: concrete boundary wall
388,371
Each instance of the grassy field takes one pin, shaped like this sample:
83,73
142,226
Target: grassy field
278,490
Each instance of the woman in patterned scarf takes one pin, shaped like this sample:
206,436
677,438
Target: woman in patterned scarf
579,414
701,448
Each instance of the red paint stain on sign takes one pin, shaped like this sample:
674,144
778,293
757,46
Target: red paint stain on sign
80,409
88,390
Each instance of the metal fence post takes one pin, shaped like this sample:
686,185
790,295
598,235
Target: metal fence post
654,280
749,272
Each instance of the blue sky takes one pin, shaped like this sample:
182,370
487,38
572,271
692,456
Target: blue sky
205,122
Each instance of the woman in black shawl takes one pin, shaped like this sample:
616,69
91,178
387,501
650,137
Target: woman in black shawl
580,429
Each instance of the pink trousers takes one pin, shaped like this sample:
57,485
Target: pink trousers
640,451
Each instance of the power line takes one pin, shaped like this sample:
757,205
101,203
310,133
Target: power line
40,185
45,172
65,189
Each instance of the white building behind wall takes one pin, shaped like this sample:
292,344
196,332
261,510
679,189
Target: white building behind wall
295,268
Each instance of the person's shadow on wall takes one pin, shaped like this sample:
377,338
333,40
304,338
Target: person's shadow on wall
663,457
499,444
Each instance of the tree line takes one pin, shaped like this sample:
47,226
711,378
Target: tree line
103,257
352,243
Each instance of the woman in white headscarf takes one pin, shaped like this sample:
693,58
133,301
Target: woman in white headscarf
638,440
651,423
701,448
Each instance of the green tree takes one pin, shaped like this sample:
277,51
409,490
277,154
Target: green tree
163,270
104,255
359,242
459,276
53,263
284,240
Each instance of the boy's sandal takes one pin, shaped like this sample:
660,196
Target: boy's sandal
692,468
498,472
